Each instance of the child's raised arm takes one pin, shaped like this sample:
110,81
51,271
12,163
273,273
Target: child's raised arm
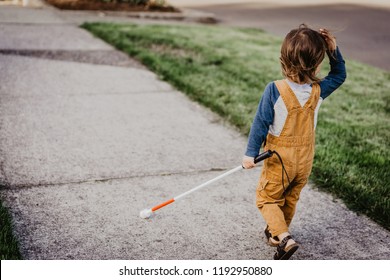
338,73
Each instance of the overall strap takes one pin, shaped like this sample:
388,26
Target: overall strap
314,97
290,100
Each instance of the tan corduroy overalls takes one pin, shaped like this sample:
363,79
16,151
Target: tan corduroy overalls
295,146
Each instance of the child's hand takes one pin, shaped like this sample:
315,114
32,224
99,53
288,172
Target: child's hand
248,162
329,39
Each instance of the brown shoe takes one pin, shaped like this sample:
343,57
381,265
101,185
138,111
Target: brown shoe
271,240
283,252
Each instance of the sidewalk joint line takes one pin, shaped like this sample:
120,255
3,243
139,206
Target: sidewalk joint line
8,186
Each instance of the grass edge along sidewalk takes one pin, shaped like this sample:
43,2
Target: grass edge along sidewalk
226,69
9,245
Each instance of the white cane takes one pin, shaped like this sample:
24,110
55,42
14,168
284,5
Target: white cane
147,213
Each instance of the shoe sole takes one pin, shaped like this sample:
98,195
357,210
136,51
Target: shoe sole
272,243
290,252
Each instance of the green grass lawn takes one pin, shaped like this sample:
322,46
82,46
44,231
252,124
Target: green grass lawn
9,248
226,69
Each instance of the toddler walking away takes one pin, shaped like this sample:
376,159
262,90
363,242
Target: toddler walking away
285,122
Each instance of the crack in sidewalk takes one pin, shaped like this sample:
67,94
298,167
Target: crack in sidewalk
98,57
8,186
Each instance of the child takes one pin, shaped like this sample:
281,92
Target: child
285,122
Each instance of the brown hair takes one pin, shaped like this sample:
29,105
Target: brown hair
302,52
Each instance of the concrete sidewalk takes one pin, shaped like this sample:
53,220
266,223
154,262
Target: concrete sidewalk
84,146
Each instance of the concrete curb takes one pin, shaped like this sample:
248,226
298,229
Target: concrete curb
185,15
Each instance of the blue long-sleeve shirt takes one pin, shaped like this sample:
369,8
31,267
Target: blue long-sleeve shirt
271,112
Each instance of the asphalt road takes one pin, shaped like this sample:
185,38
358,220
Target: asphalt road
362,32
